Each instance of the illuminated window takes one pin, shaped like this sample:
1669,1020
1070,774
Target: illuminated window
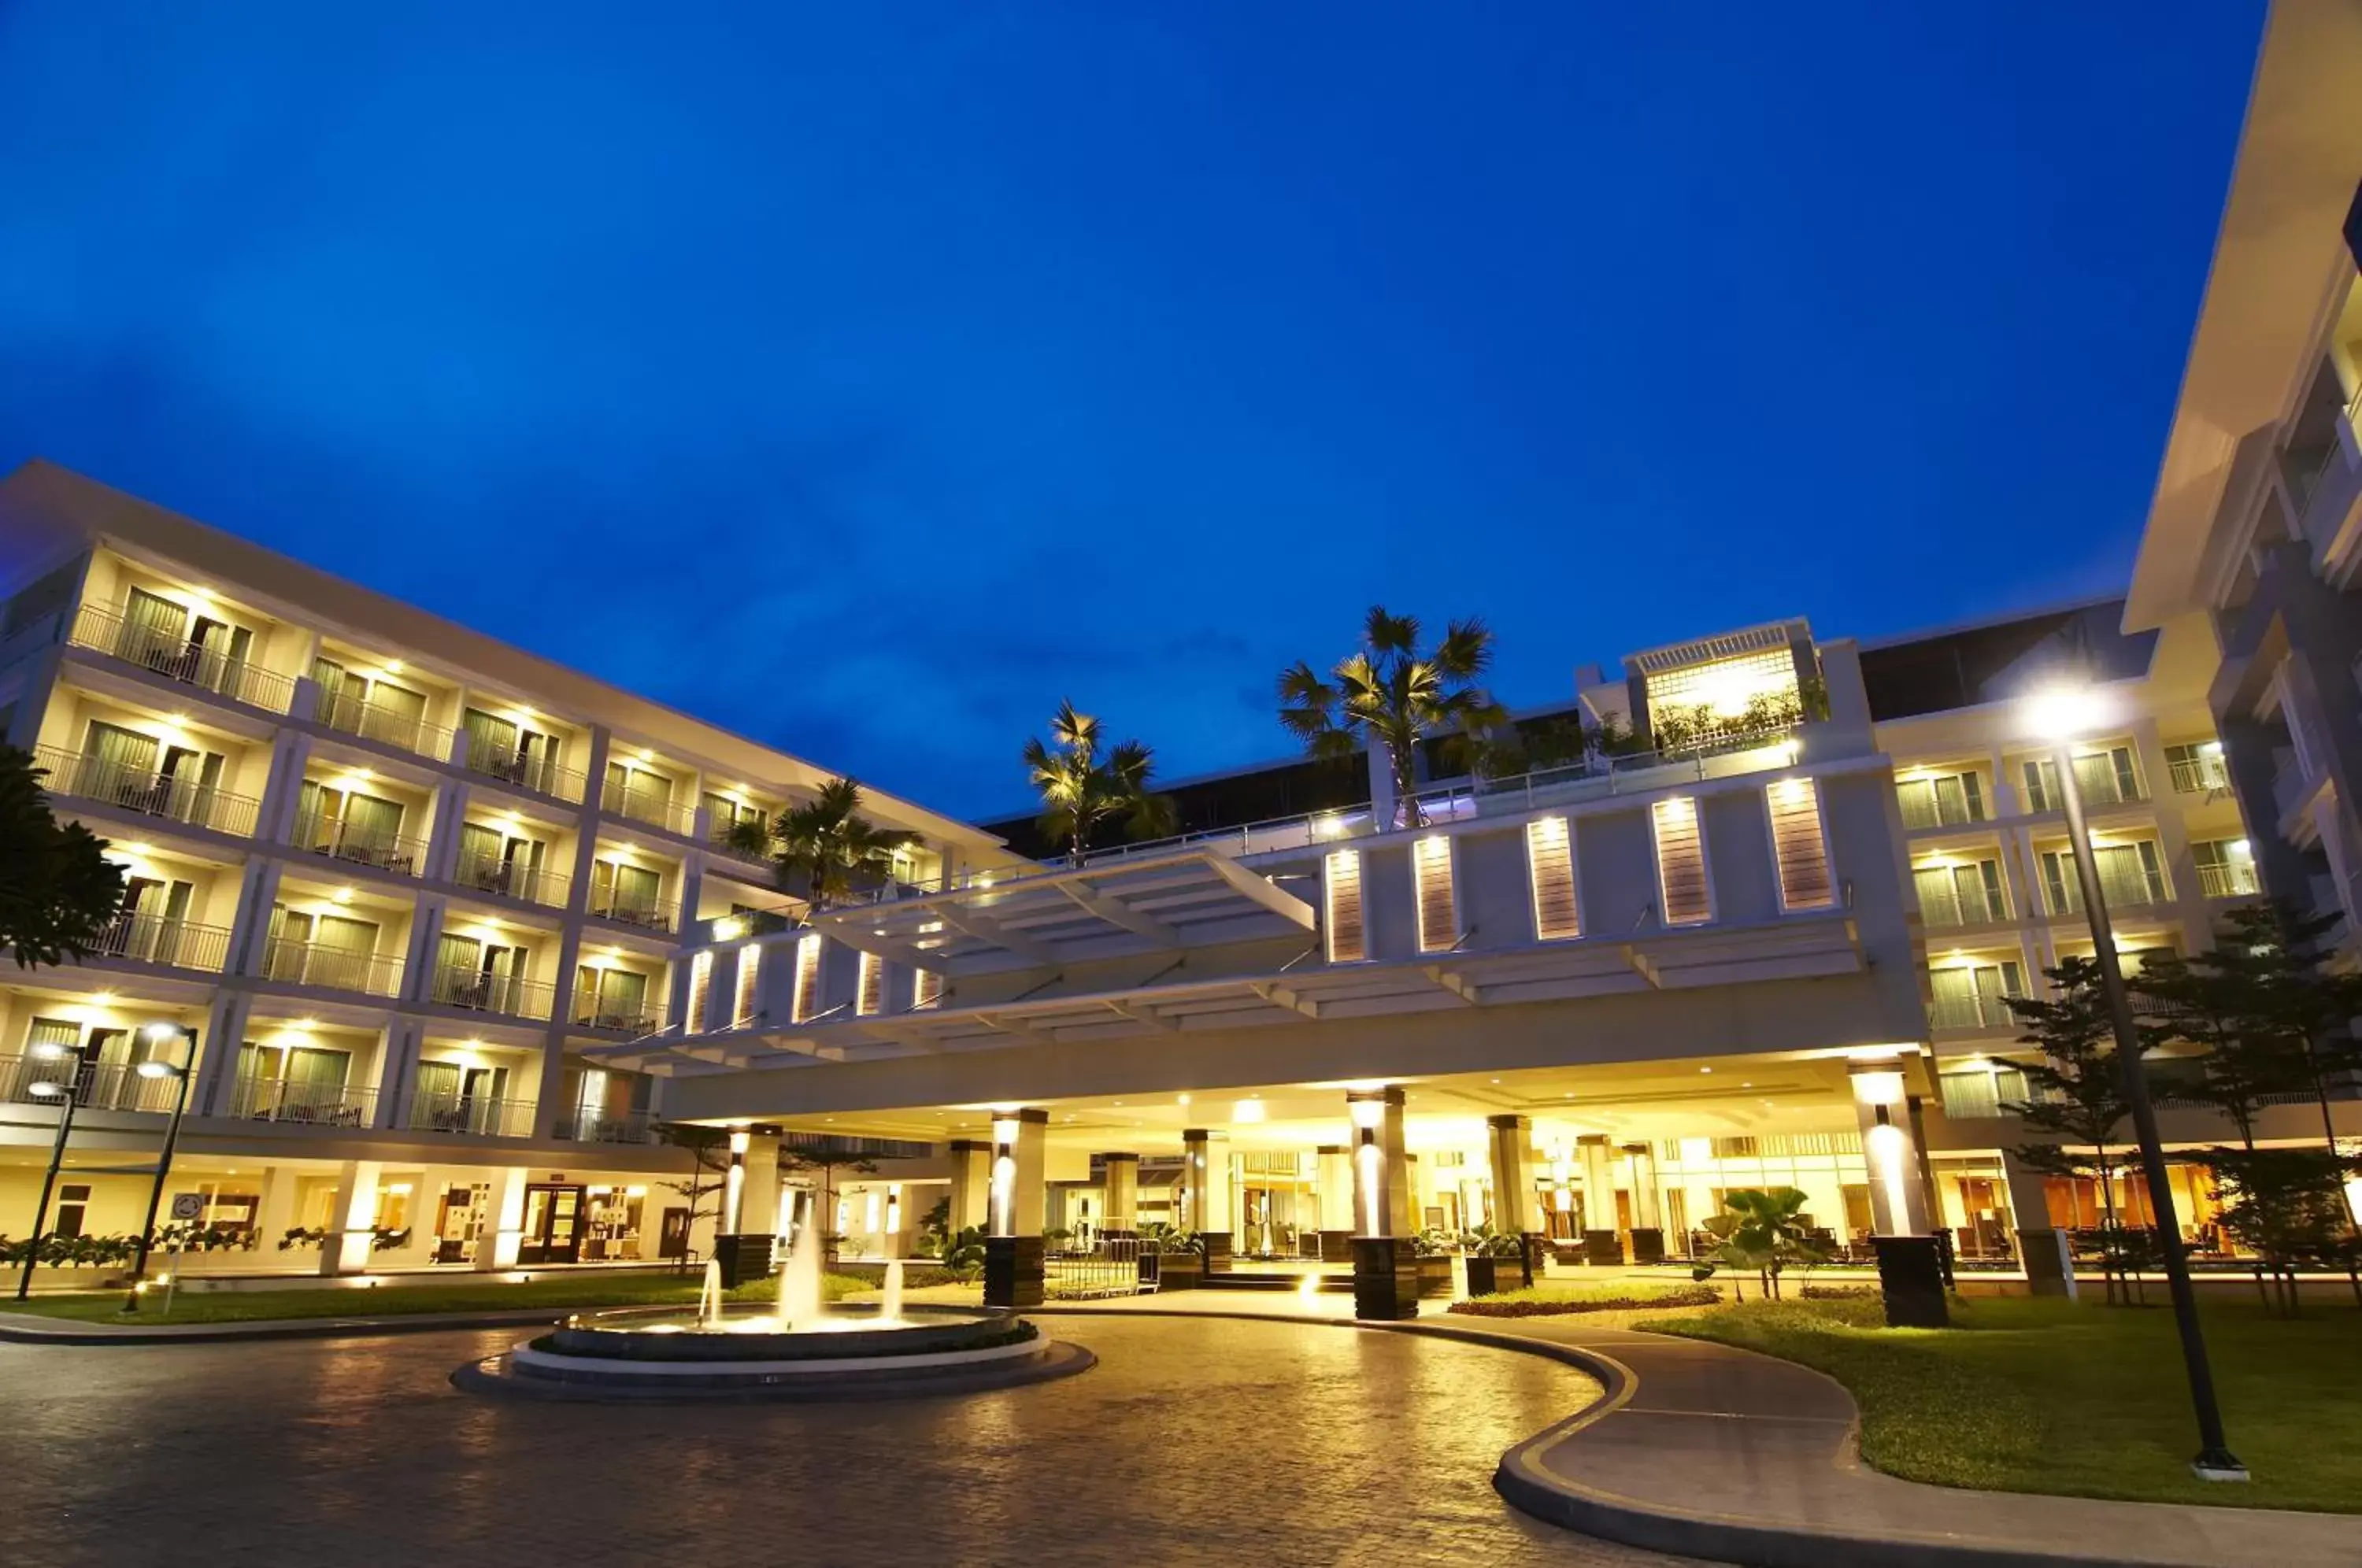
871,995
1755,691
1800,845
1688,897
750,965
701,981
807,997
1344,886
926,990
1941,800
1550,860
1438,921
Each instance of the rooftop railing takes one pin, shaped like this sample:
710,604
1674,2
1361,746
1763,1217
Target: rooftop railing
176,658
387,726
146,791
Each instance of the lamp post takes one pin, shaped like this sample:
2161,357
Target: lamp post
65,1095
154,1068
2059,717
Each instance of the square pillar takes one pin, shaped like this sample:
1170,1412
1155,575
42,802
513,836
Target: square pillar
1647,1223
2042,1248
1335,1192
971,1191
503,1227
1205,1173
1013,1268
1386,1265
1121,1201
1910,1261
352,1219
750,1207
1512,1149
1603,1245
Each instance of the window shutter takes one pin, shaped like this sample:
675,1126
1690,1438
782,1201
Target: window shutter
1439,918
1550,861
1344,887
750,969
1800,845
870,997
926,990
807,997
701,981
1680,862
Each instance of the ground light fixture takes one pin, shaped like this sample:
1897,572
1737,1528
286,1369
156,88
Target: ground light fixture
2058,715
156,1069
66,1096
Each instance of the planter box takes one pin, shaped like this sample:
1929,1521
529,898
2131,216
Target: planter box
1178,1271
1484,1275
1435,1279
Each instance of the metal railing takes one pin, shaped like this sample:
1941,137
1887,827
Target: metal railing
147,791
718,836
158,939
175,658
405,732
635,1017
319,1105
457,986
2227,881
2198,775
447,1111
339,841
1929,810
538,774
2121,891
605,1127
336,968
646,914
644,805
1945,911
1970,1012
98,1085
487,874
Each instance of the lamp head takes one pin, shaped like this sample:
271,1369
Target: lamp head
2064,712
159,1070
49,1091
48,1051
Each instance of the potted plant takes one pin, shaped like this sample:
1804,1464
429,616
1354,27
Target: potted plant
1434,1247
1180,1266
1485,1248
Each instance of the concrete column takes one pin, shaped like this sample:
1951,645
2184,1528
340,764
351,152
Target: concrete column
403,1041
352,1219
1511,1147
1014,1269
504,1226
546,1108
1648,1222
425,941
1602,1243
1121,1218
1207,1169
1910,1265
1401,1206
258,889
1335,1194
2042,1248
290,752
1385,1267
225,1023
971,1194
758,1204
443,845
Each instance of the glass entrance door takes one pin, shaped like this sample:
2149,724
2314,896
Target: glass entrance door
553,1225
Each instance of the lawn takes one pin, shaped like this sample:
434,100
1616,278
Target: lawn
556,1292
1547,1297
2040,1395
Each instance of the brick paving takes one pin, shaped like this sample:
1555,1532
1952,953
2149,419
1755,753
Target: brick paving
1191,1441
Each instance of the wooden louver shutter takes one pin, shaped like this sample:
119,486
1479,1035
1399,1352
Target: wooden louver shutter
1680,862
1799,844
1344,888
1549,862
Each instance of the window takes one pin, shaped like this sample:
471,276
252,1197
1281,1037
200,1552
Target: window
2104,778
701,986
2130,874
2196,768
1682,881
871,995
1799,844
2226,868
1982,1091
348,826
1343,877
1968,996
1953,893
807,995
372,707
926,990
638,793
508,750
610,999
750,967
1550,861
73,1210
1941,800
1439,922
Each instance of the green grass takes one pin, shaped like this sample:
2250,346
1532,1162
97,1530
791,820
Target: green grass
2035,1396
1567,1295
557,1291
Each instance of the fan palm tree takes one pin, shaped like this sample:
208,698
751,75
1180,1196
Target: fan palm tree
1388,693
820,844
1081,792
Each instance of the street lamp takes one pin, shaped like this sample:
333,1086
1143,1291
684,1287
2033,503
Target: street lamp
2060,715
65,1095
155,1069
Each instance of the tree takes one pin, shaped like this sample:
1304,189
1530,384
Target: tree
58,890
1388,693
1763,1231
2077,1096
709,1150
1083,791
2288,1208
827,1158
821,845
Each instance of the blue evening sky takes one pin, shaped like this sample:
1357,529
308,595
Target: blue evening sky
869,377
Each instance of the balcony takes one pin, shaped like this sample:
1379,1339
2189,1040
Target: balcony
2228,881
444,1110
480,992
1931,809
2199,776
719,837
336,968
525,770
369,721
314,1105
356,846
108,1086
1944,911
159,939
487,874
606,1127
1970,1012
176,658
147,791
655,808
619,1017
646,914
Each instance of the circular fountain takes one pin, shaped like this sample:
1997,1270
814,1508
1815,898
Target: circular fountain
801,1349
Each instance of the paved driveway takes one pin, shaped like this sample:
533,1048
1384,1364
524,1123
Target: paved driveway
1191,1441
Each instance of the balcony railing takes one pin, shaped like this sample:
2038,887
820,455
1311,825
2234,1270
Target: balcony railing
98,1085
2123,890
655,808
405,732
2199,776
317,1105
538,774
605,1127
336,968
718,836
445,1111
487,874
1944,911
340,841
147,791
158,939
632,1017
174,657
1969,1012
478,992
646,914
2227,881
1928,809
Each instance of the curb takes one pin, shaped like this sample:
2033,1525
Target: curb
491,1377
32,1330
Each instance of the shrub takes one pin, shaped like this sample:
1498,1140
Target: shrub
1528,1306
1840,1293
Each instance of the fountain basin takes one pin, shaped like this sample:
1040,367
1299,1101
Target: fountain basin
668,1334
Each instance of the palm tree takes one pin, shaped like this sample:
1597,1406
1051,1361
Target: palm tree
1763,1231
821,845
1388,693
1081,792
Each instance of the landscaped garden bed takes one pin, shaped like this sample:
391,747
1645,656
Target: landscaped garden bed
1546,1299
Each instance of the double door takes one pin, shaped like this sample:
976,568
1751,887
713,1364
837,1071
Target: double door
553,1224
